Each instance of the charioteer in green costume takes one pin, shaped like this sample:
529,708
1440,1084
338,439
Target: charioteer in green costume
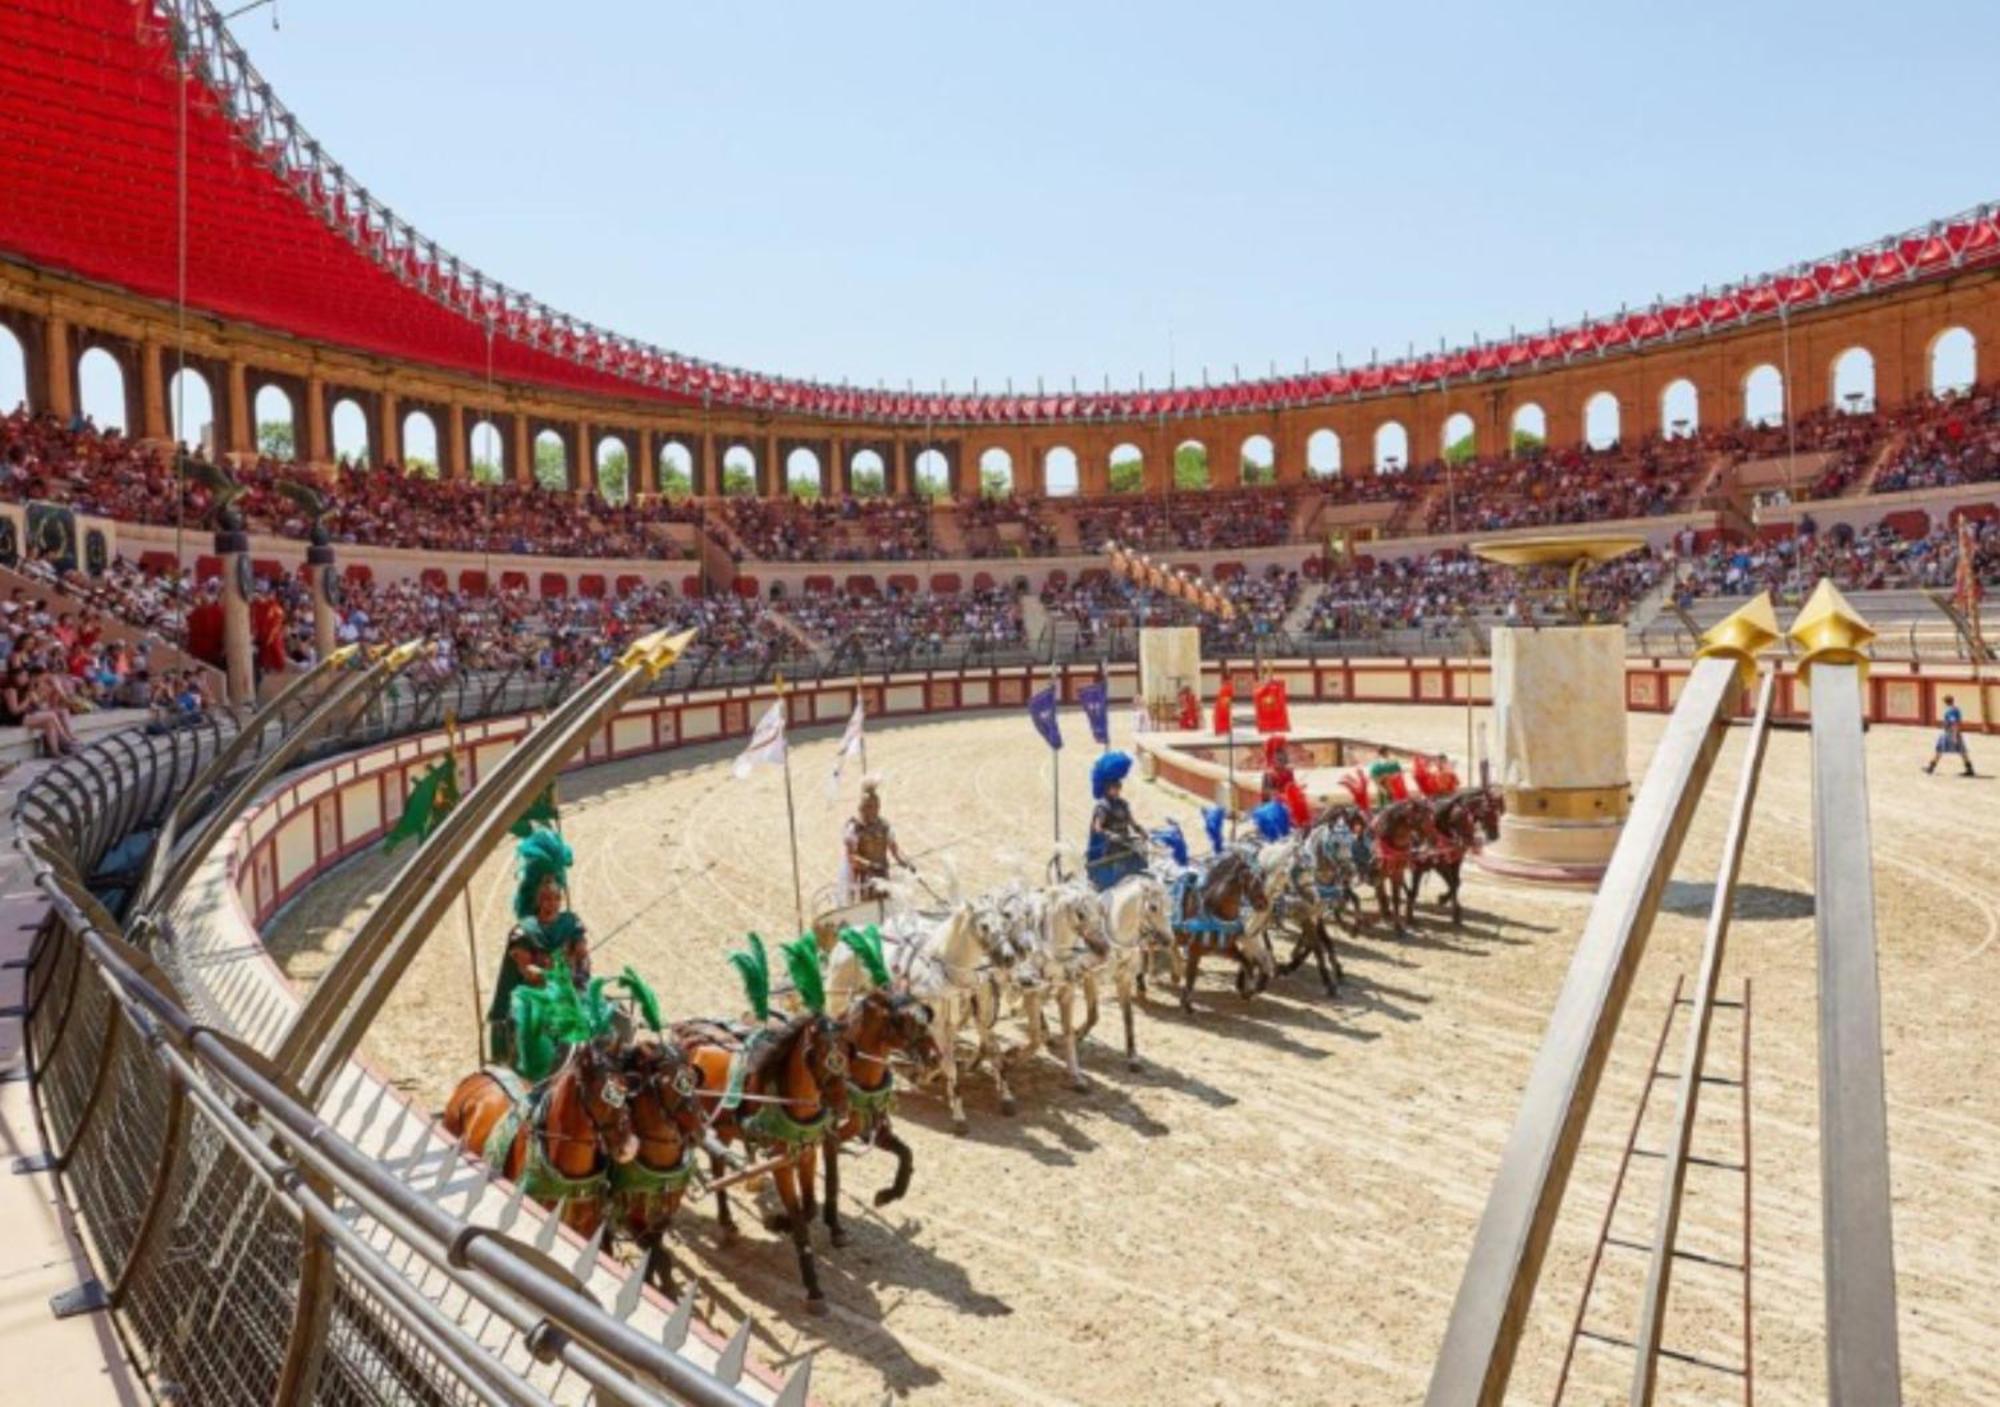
545,934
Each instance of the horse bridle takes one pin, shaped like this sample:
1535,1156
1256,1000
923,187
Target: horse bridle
610,1091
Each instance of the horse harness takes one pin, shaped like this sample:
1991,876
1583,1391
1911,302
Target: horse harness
1191,919
540,1179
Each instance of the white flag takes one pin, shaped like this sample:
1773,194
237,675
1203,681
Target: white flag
767,744
850,746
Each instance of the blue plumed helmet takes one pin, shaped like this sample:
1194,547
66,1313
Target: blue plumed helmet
1173,842
1272,820
1107,771
1212,818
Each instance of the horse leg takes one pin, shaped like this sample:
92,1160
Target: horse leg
906,1163
1065,1005
948,1066
724,1217
830,1146
1089,1006
787,1179
660,1262
1451,879
1191,965
1125,1000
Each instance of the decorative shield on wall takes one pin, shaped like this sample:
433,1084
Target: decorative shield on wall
52,535
10,542
96,551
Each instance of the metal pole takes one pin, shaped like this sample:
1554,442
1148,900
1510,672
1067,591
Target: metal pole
478,1003
792,826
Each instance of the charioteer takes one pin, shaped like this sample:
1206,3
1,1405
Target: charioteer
869,844
1117,846
544,932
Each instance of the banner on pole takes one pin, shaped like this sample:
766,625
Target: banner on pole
1274,714
850,746
1096,702
1042,713
767,743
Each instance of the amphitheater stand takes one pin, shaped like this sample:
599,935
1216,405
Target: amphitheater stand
1294,623
1864,482
161,653
77,1360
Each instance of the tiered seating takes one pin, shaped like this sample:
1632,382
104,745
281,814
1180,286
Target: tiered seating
1641,480
911,626
1197,520
831,530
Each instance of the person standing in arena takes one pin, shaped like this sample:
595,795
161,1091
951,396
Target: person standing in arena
1951,741
869,846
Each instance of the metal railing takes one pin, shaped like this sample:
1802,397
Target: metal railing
245,1249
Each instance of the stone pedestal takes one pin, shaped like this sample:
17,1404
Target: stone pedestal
1169,661
234,549
326,619
1559,755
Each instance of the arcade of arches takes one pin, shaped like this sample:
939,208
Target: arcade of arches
73,349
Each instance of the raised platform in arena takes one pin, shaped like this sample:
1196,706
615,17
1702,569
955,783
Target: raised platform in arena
1199,762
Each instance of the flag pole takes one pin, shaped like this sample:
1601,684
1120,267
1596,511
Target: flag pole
791,813
861,704
471,933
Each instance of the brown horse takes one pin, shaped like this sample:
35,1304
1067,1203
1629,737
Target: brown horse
646,1192
1400,831
563,1136
878,1027
1220,906
794,1090
1465,819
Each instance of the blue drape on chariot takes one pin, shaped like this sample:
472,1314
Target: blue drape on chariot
1109,859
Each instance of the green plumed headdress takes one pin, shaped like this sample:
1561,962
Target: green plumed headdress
802,961
641,994
542,855
866,945
754,967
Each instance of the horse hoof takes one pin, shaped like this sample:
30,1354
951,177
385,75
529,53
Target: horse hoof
1008,1107
960,1127
777,1225
816,1305
729,1233
1132,1062
838,1236
1079,1086
884,1196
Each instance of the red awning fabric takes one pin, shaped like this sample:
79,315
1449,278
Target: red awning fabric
434,578
902,581
630,584
945,582
472,582
360,573
207,567
860,584
513,581
982,581
690,587
267,569
1908,524
590,586
819,585
158,562
555,586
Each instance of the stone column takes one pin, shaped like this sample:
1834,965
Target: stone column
242,435
707,474
583,474
771,474
899,469
389,432
451,454
1559,749
644,477
316,426
61,370
326,618
837,484
232,545
152,392
522,456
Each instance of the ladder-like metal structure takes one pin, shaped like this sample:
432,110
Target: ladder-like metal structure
1733,1162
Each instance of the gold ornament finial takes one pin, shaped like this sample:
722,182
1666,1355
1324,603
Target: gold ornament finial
400,655
656,653
1830,630
1742,635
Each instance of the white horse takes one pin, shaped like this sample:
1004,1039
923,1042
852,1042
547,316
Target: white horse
1063,929
1136,917
954,963
1309,877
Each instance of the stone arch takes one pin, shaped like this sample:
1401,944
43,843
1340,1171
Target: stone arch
612,460
1323,453
101,389
676,469
1458,441
1603,421
486,452
350,431
1527,428
1764,395
930,473
551,468
13,371
805,477
419,436
274,421
996,473
868,474
1192,469
1851,381
1257,460
1059,472
1952,362
191,410
739,471
1392,447
1680,410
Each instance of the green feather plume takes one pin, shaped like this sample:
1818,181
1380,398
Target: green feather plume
802,961
866,944
642,995
754,967
553,1016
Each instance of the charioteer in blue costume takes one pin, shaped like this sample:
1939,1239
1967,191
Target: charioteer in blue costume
1117,847
545,934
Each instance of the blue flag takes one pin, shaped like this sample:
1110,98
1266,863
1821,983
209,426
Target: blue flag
1042,713
1096,701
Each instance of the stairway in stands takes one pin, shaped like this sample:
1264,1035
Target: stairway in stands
1864,482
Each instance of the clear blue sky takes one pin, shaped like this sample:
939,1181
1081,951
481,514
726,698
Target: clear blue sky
956,190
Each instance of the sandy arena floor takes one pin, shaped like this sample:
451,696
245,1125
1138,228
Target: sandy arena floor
1277,1208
